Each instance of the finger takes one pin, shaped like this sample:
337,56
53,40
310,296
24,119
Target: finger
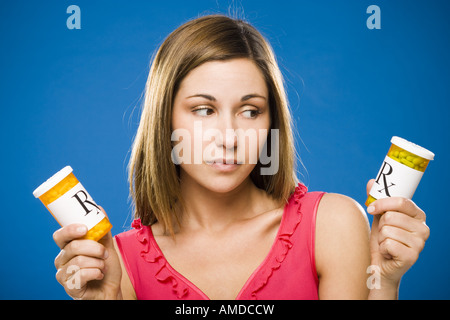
68,233
84,262
89,274
401,254
75,248
80,277
107,241
400,220
369,186
400,235
77,263
397,204
392,249
374,234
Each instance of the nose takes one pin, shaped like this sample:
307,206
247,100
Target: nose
226,136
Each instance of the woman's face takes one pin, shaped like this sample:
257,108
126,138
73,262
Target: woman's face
220,116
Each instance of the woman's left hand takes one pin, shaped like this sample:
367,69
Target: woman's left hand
397,237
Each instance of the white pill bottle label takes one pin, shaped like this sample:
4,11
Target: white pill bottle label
395,180
76,206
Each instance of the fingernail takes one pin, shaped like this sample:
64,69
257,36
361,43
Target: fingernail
81,230
370,209
106,254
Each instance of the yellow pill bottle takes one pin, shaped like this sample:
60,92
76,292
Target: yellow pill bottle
69,202
401,171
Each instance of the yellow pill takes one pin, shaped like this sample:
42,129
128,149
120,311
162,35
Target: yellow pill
406,162
406,153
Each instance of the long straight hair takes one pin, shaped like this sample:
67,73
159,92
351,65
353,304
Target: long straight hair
153,177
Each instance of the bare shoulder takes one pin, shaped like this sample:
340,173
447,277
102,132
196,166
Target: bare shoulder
342,247
338,214
338,210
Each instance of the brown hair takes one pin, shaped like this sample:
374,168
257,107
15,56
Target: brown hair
153,177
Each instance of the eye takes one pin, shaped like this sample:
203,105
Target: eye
251,114
203,111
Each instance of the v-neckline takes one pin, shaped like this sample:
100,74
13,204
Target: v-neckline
247,283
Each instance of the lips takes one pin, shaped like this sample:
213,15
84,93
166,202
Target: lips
224,165
224,161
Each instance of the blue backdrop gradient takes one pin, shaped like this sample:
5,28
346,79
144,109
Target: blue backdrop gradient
72,97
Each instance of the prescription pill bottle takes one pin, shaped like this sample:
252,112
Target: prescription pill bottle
68,202
401,171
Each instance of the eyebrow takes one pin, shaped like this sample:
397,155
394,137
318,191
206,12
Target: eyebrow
211,98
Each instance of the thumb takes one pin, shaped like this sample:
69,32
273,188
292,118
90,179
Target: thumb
107,239
374,246
369,186
374,230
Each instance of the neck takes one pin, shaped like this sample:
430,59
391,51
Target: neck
212,211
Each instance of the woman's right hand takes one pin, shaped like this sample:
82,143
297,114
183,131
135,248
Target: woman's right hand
87,269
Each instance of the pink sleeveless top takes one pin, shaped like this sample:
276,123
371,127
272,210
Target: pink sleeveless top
288,272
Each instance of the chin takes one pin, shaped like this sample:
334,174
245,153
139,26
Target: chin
222,185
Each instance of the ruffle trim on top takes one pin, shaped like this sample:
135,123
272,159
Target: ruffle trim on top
277,255
283,243
152,255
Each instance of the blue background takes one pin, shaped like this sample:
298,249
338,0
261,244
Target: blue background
72,97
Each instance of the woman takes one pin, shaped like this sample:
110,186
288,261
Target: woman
213,224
